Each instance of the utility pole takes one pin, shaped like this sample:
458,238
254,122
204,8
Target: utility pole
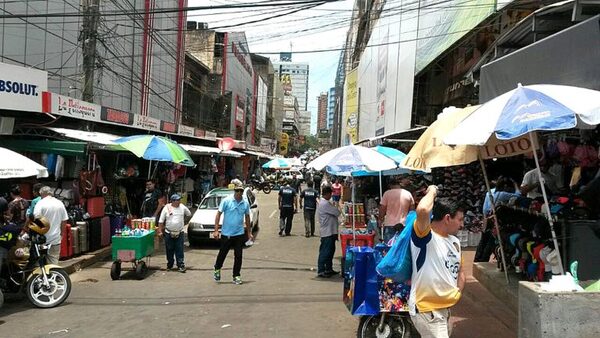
89,34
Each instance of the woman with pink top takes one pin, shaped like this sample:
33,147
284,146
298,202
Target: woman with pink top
337,191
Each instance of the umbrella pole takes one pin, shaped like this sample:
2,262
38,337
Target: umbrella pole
149,169
548,214
380,230
493,203
353,216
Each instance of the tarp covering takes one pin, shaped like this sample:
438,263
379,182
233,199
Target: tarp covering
570,57
65,148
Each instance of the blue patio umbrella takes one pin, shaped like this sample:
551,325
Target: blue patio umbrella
278,163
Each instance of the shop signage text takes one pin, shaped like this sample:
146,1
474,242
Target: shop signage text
116,116
21,88
210,135
185,130
70,107
497,149
168,127
146,122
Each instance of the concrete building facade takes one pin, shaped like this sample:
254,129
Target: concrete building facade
322,104
294,77
330,107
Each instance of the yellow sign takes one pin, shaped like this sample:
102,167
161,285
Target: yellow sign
284,140
351,114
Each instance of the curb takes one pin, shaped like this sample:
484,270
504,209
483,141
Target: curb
80,262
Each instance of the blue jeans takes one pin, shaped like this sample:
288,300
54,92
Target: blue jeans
326,252
174,247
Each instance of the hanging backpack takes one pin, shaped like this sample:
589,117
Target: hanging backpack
397,263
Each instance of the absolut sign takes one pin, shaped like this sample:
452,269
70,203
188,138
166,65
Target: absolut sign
21,88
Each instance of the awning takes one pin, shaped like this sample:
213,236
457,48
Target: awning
259,154
88,136
203,150
65,148
416,132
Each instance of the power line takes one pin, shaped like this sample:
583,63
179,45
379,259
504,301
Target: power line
268,3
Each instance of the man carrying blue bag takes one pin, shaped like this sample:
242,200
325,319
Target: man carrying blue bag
437,274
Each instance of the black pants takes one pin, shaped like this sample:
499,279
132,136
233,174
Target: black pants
486,247
286,215
237,242
326,253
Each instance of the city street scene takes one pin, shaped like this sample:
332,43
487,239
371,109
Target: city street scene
300,168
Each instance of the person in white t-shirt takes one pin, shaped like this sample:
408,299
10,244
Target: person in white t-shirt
531,182
438,277
170,223
54,210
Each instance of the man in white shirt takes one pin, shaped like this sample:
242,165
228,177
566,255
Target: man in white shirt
531,182
170,224
54,210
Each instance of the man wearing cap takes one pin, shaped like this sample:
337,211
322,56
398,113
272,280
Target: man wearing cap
170,226
235,210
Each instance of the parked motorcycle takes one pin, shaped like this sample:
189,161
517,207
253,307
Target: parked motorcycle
265,186
25,270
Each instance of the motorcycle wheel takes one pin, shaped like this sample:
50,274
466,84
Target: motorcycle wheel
57,291
267,189
115,270
394,327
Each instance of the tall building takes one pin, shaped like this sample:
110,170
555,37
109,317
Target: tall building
330,107
294,76
304,121
133,63
322,111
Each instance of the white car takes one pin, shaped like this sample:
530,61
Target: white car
202,224
292,174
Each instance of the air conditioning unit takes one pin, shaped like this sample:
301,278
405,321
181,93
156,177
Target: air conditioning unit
7,124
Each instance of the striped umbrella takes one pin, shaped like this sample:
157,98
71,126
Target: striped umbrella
155,148
278,163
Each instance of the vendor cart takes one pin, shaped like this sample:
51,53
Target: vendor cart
133,249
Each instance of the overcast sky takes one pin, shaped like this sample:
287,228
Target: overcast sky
323,27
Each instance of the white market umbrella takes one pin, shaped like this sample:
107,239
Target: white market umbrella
15,165
346,160
525,110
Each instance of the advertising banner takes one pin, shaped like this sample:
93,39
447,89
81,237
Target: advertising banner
351,111
21,88
382,67
210,135
261,105
116,116
268,145
442,23
498,149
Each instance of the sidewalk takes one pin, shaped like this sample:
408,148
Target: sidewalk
480,311
75,264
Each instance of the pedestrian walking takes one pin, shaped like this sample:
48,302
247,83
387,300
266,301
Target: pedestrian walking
337,189
328,213
55,212
236,211
310,197
170,224
317,180
438,277
394,206
288,206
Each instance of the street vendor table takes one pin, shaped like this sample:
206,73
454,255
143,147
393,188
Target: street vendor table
133,249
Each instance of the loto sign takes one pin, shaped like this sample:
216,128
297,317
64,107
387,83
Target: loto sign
500,148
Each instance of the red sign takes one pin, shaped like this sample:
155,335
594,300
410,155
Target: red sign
168,127
199,133
116,116
226,143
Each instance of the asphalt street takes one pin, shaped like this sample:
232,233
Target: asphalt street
281,297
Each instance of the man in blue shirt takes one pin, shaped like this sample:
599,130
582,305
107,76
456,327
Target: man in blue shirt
235,211
310,196
288,206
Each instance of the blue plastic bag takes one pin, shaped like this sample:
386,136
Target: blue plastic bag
361,287
397,263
